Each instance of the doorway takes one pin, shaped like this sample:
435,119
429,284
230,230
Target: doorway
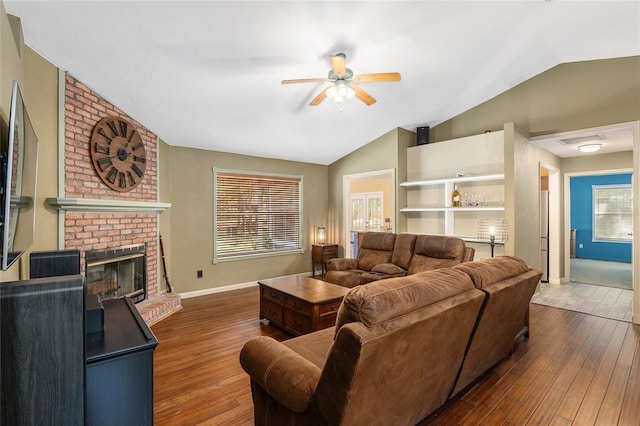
369,200
620,143
601,220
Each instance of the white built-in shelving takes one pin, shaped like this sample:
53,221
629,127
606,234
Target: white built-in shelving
434,196
457,179
448,183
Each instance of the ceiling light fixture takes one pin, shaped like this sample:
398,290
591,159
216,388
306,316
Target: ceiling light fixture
340,92
592,147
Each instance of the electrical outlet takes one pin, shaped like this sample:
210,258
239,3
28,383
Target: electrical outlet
580,246
199,274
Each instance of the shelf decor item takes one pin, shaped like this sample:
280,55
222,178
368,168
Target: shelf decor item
455,197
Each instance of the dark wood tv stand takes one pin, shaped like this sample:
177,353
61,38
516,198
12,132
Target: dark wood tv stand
120,368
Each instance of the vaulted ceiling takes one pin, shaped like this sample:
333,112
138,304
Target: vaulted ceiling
206,74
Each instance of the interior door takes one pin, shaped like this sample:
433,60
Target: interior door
366,214
366,211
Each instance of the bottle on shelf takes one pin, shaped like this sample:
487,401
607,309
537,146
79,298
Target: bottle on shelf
455,197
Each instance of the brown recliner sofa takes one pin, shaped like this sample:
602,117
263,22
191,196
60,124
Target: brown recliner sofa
386,255
394,359
509,284
400,347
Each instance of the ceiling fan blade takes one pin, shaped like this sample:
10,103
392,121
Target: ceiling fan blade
377,77
363,96
306,80
321,97
337,64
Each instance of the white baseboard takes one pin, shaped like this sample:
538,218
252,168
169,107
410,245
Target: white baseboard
230,287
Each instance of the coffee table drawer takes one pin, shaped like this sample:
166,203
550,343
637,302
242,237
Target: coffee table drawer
296,322
274,295
329,307
327,321
272,311
299,305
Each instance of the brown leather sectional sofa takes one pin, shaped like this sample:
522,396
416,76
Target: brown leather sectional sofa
400,347
384,255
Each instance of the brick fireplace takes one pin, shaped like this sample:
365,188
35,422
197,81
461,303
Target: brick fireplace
95,216
116,272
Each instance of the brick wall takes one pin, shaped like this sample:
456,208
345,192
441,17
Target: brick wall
89,231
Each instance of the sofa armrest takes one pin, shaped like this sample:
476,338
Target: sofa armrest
284,374
469,254
342,264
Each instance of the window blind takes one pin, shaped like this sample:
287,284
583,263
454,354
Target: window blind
256,214
612,213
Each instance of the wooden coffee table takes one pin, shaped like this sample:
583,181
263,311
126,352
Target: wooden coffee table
300,304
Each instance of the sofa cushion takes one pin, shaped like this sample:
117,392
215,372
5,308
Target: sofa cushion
436,251
385,300
378,241
350,278
389,269
493,269
403,250
376,248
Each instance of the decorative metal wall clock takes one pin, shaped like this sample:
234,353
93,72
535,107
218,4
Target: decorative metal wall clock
118,153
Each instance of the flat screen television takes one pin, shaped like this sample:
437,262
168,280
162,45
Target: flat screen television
18,166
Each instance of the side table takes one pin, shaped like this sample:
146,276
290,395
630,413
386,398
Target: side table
320,254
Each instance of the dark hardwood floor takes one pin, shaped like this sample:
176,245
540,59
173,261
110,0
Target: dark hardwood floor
575,369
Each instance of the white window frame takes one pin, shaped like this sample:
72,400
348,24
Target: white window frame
601,210
283,249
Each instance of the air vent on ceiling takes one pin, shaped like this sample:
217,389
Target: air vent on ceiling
582,139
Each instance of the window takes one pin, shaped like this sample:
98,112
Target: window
612,215
256,214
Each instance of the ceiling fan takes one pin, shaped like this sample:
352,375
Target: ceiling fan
344,82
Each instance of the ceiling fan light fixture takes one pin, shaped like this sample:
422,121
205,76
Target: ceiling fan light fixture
340,92
592,147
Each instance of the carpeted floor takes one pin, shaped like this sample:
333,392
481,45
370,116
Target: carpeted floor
598,272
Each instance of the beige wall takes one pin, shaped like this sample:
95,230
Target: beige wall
590,163
11,47
383,153
190,176
525,197
38,80
567,97
41,99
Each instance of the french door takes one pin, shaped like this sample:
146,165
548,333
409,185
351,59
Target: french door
366,211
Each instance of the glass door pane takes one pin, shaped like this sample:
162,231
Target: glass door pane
357,212
374,211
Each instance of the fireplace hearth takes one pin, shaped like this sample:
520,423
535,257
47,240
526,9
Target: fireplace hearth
116,272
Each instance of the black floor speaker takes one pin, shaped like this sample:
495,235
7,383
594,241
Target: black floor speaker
423,135
54,263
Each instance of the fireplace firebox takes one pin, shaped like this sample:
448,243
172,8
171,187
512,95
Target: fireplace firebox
116,272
